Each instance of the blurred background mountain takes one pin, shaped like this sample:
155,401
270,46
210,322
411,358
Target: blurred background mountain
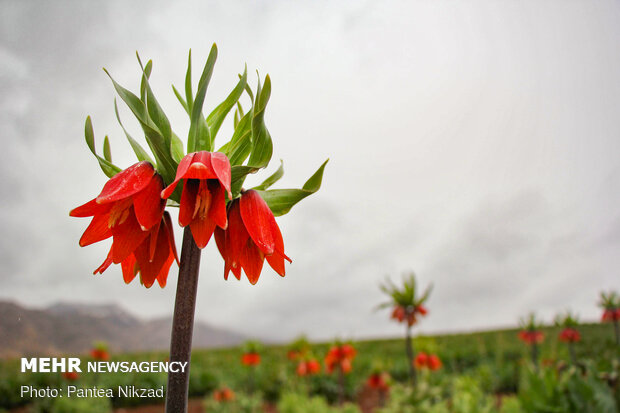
69,328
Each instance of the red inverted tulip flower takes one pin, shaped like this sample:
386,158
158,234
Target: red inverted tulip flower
531,336
570,335
308,368
252,235
224,395
152,258
379,381
420,360
127,207
206,179
340,357
434,363
250,359
408,314
611,314
71,375
100,354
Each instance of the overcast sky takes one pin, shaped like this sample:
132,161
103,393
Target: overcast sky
473,142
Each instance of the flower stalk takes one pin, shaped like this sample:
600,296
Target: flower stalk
183,324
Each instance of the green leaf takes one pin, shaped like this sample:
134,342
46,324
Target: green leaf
281,201
181,100
176,148
215,118
107,167
140,152
107,153
262,146
189,97
153,108
147,72
158,145
272,179
199,139
240,145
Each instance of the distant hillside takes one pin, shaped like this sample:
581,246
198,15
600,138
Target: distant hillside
72,328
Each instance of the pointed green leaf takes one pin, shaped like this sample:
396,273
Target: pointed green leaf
140,152
181,100
199,139
107,167
281,201
147,72
176,148
159,147
262,146
107,153
215,118
189,97
154,110
240,144
275,177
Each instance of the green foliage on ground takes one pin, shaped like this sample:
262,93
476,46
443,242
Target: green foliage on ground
482,372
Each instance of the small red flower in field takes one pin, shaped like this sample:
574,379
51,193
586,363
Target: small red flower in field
71,375
429,361
307,368
570,335
252,235
206,178
611,314
420,361
127,207
293,355
250,359
531,336
434,363
100,354
379,381
224,395
152,258
340,356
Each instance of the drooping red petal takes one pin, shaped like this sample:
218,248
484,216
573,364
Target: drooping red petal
181,169
221,167
258,220
106,263
127,237
202,229
217,211
252,260
170,230
127,182
276,260
130,269
236,238
98,230
148,204
188,201
152,237
90,209
150,270
162,277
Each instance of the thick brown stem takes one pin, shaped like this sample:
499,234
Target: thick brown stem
409,350
183,324
617,330
573,356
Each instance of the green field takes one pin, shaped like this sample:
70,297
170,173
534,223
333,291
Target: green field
482,372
